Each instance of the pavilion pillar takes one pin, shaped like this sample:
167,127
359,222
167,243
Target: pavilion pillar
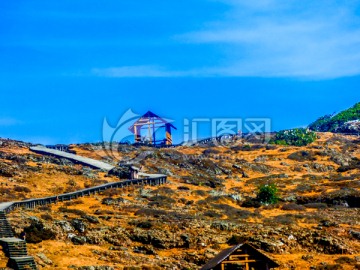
137,134
168,134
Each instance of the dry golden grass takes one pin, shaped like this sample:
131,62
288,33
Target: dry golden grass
51,179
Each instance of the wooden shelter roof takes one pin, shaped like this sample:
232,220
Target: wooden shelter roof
224,254
144,120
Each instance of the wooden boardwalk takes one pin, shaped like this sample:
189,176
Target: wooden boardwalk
78,159
15,248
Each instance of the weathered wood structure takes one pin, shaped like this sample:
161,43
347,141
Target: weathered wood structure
20,260
15,248
151,123
240,257
61,147
96,164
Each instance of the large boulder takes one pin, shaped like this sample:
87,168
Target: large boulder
79,225
350,127
122,172
37,232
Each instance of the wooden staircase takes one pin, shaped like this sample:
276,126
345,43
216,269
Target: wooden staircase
5,227
14,248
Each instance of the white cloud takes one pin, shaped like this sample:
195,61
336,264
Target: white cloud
270,38
7,121
158,72
318,39
138,71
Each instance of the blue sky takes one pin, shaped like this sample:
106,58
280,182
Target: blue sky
66,65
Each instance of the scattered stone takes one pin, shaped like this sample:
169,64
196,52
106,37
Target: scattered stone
78,240
91,219
122,172
112,201
45,259
65,225
236,166
147,250
95,268
79,225
355,234
222,226
307,257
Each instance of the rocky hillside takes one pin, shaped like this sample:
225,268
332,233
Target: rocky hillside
347,121
209,203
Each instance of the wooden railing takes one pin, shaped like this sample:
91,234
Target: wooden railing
149,179
21,262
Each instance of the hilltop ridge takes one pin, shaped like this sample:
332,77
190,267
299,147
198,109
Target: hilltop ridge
347,121
208,204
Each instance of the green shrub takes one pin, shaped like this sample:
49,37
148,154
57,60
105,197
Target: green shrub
296,137
332,123
268,194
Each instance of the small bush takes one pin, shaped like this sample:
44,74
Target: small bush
150,212
46,217
345,260
45,208
231,211
36,233
183,188
293,206
329,267
316,205
103,212
72,211
268,194
112,192
211,151
73,202
296,137
200,192
112,201
271,147
251,202
236,239
163,191
132,268
71,182
161,200
303,188
286,219
91,219
4,190
247,147
22,189
353,164
212,214
145,224
223,226
302,156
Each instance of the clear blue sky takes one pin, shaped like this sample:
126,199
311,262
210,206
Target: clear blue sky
66,65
